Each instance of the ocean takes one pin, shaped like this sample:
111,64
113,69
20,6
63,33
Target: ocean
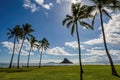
6,65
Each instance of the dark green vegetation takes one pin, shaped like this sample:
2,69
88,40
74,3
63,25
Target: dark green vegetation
91,72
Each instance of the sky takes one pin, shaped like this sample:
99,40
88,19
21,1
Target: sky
46,18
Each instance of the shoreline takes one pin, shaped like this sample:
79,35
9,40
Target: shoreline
6,65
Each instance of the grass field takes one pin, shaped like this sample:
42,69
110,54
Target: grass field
91,72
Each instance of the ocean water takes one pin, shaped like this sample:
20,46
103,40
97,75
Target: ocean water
6,65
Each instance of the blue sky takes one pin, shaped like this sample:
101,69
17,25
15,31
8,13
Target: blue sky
46,17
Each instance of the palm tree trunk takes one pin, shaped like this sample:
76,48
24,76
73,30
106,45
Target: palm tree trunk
40,58
11,61
29,57
81,69
114,72
20,52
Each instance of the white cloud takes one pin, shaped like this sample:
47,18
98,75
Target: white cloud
98,54
74,1
34,5
24,51
112,32
59,51
42,3
46,6
58,1
73,44
29,5
26,46
94,41
71,1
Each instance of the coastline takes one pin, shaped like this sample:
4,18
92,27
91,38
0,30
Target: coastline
6,65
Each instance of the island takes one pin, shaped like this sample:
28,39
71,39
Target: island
66,61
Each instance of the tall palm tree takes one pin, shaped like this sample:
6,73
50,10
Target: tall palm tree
79,13
43,46
100,5
15,32
32,40
26,30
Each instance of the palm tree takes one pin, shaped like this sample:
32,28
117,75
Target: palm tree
79,13
32,40
43,45
15,32
26,30
100,5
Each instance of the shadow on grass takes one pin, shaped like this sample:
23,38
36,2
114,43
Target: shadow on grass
12,70
117,75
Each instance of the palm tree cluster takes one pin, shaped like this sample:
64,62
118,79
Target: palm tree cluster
23,33
82,12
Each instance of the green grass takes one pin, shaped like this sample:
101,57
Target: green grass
91,72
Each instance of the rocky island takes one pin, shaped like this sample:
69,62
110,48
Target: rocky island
66,61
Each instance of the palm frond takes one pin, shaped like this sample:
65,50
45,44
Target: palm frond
73,29
65,20
30,35
86,25
9,33
75,8
94,1
114,7
106,13
93,21
68,16
117,3
91,9
27,28
10,30
10,36
44,43
69,24
17,39
28,39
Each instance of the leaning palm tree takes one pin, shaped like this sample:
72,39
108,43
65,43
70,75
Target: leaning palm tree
15,32
79,13
43,46
32,40
26,30
99,6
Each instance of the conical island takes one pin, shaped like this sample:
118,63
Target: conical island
66,61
